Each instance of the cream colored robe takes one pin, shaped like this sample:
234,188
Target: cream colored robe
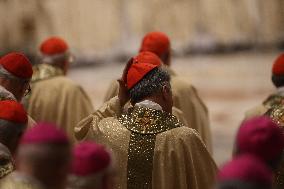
186,99
18,180
59,100
111,108
170,155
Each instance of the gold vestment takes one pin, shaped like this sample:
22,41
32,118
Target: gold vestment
57,99
186,99
152,149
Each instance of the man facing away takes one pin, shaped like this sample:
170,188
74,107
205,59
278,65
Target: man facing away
153,149
185,96
15,75
42,160
54,97
13,123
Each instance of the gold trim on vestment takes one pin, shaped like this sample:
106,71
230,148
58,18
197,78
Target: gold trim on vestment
144,124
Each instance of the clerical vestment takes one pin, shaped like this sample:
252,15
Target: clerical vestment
153,149
111,108
55,98
18,180
185,98
273,107
6,161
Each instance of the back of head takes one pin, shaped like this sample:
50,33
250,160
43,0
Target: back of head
262,137
55,51
158,43
278,71
44,153
146,78
15,73
91,167
244,172
13,122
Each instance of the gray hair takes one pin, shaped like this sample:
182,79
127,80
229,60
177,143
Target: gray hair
6,74
151,84
9,130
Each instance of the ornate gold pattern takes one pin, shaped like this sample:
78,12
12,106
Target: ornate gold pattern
6,167
144,124
274,100
276,113
45,71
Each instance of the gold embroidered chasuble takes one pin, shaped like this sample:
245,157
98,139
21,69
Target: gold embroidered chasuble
152,149
186,99
111,108
57,99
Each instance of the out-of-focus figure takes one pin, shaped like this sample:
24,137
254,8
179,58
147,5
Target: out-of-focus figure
262,137
13,122
54,97
152,148
42,160
15,75
275,99
92,167
185,96
245,172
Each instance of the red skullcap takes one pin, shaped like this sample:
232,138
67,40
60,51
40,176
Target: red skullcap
13,111
156,42
247,168
142,64
44,133
262,137
90,158
53,46
278,66
17,64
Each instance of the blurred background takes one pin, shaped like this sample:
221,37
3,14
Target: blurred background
224,47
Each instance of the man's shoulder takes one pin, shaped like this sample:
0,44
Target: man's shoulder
182,132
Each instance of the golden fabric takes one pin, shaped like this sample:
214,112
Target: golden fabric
18,181
273,107
175,154
59,100
185,98
271,101
6,161
111,108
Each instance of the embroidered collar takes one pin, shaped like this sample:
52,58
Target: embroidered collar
45,71
148,121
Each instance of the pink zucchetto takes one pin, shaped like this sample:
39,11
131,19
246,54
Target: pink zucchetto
262,137
245,168
90,158
44,133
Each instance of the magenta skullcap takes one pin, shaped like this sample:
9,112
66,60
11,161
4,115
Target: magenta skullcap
246,168
262,137
44,133
90,158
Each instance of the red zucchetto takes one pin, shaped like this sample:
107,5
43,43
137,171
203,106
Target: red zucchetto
262,137
44,133
13,111
53,46
156,42
17,64
142,64
90,158
278,66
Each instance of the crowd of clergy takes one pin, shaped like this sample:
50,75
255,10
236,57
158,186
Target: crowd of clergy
151,132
